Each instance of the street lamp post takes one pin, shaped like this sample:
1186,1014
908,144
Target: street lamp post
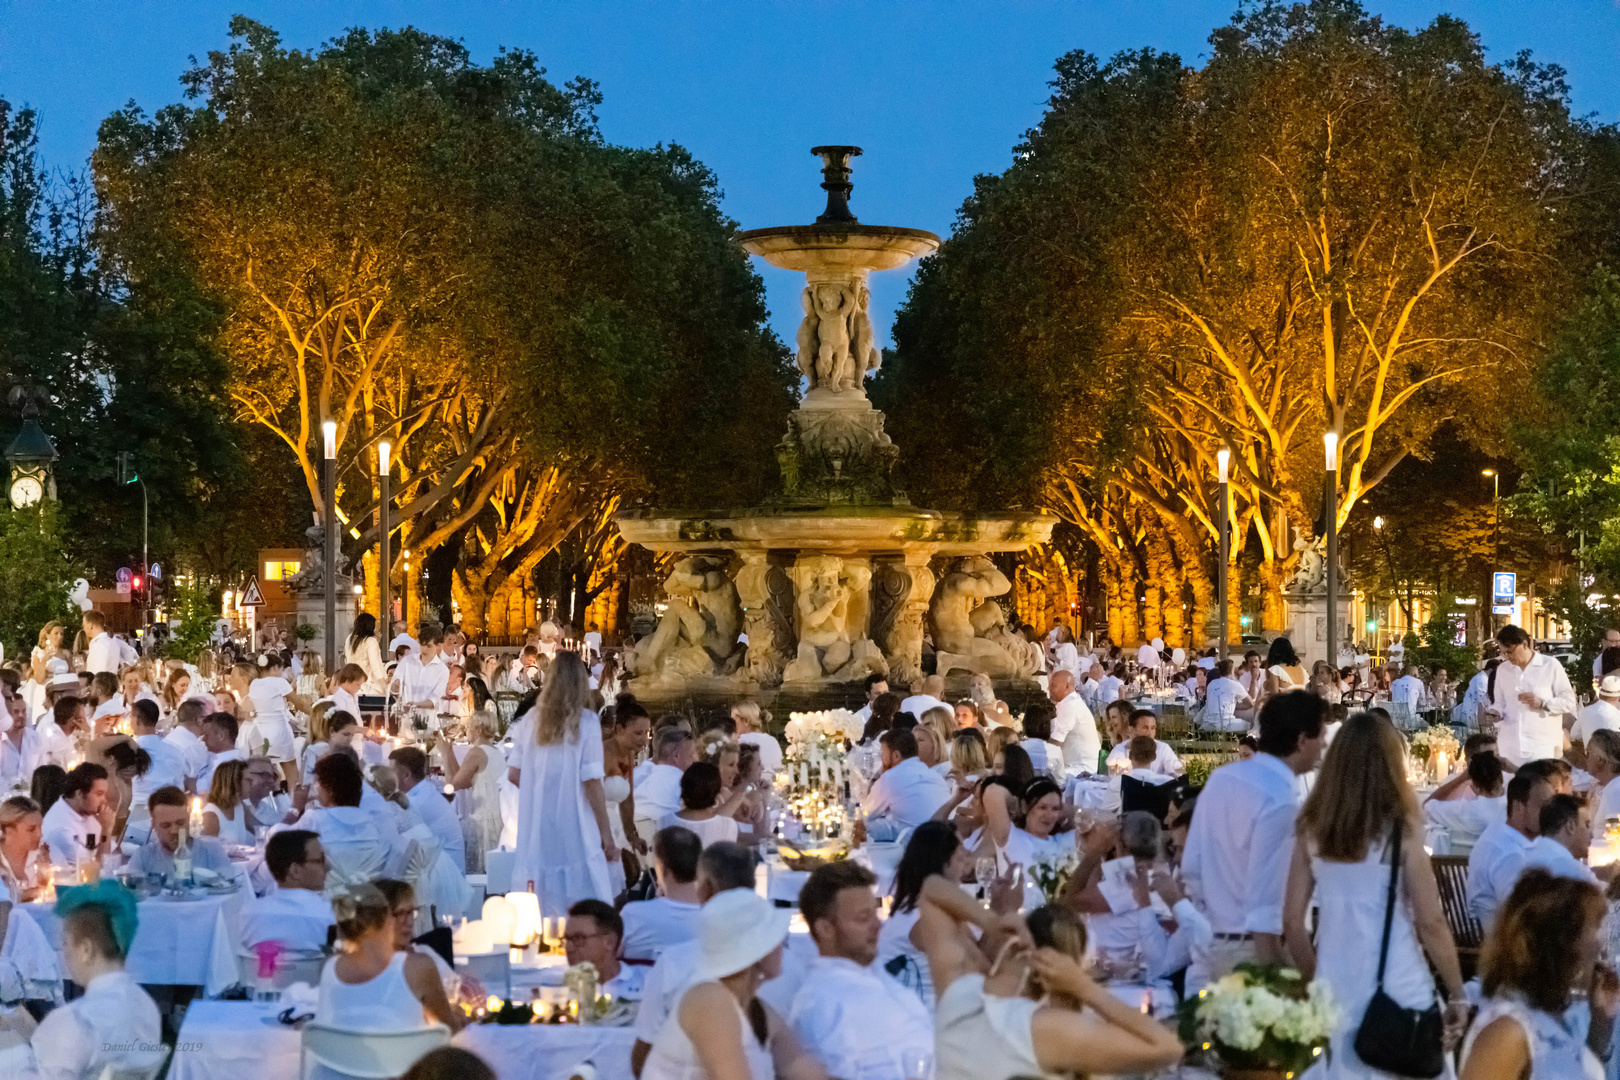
385,559
329,526
1330,443
1488,621
1223,458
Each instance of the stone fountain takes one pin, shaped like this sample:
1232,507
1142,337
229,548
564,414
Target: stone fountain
837,575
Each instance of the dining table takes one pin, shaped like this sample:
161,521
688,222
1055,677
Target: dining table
227,1040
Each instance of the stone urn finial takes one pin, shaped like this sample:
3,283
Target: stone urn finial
835,169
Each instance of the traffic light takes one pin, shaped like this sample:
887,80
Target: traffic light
126,467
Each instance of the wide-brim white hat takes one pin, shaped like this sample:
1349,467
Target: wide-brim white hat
737,928
66,679
1610,686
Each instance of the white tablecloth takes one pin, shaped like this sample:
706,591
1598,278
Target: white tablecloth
177,942
229,1040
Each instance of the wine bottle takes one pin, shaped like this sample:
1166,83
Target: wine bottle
182,860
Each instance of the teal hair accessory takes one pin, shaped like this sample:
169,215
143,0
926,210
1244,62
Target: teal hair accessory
113,898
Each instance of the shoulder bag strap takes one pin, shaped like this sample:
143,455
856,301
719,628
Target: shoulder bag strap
1389,906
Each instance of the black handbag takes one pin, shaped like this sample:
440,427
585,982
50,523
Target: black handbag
1406,1042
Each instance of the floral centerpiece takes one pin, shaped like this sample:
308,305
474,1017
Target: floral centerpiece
1260,1020
583,983
1053,876
1437,739
815,747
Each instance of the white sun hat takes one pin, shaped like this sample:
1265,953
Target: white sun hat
737,928
1610,686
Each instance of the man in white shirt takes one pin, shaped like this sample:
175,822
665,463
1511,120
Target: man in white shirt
1603,762
1223,698
848,1013
1242,838
906,794
80,823
168,768
875,685
926,694
593,641
1073,728
1562,846
428,800
1208,660
651,926
57,736
186,737
401,637
296,912
1603,713
1465,820
1145,722
20,751
723,867
1109,686
1531,695
219,738
658,793
423,677
1408,690
595,932
1493,865
1611,640
103,652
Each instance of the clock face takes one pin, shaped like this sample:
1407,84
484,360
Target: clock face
26,491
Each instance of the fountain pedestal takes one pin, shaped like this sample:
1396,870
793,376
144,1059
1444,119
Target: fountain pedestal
837,576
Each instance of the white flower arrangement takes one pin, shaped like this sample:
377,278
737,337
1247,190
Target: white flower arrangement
1260,1017
1052,875
831,726
1438,738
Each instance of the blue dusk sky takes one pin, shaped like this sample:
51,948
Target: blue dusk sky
935,92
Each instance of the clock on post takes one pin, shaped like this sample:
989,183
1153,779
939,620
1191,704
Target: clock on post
30,454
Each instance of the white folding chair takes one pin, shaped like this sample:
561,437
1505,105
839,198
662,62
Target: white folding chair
291,967
498,871
371,1055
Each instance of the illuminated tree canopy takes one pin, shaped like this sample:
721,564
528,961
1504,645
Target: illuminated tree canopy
1334,224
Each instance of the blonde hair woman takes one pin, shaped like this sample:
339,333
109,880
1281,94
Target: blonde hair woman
1360,814
940,723
476,776
226,815
751,724
970,755
564,839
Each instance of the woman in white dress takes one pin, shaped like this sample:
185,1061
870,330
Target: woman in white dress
1544,947
623,743
273,717
701,810
1283,670
226,815
477,780
362,650
370,985
1360,809
934,848
1018,1003
1030,841
564,839
719,1028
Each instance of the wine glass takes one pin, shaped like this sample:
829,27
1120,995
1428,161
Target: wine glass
917,1064
984,872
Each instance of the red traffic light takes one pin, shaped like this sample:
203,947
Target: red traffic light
135,582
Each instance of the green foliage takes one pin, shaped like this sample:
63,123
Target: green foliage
306,631
35,575
196,606
1435,648
1570,448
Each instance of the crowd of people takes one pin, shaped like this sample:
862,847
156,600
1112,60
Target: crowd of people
352,808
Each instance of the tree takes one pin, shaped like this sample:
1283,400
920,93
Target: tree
35,575
417,248
1335,225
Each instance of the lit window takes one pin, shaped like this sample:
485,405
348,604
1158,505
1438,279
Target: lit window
272,571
